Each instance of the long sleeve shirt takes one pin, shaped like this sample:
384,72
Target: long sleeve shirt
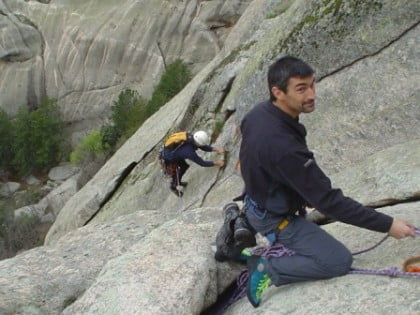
188,151
282,176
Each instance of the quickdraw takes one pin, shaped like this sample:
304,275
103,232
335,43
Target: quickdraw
408,265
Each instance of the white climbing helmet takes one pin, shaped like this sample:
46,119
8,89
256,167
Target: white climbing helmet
201,138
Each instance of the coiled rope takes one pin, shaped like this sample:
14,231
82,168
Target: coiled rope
280,250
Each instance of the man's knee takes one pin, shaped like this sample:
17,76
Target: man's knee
345,265
339,264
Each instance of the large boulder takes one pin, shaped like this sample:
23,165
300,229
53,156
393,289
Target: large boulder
175,277
52,277
62,172
9,188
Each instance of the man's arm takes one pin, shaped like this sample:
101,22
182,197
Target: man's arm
193,156
206,148
300,171
209,148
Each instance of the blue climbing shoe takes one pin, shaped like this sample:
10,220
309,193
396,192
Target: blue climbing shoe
258,279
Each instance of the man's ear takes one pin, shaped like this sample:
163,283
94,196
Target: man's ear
278,94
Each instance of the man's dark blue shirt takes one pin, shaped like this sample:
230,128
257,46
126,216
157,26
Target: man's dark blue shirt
282,176
188,150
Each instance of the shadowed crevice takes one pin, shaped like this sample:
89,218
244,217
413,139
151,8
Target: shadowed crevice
118,183
393,201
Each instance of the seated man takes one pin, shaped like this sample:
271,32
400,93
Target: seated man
282,177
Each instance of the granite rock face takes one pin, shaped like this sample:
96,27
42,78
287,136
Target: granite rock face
83,53
51,278
153,251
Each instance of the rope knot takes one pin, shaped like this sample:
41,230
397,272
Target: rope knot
393,272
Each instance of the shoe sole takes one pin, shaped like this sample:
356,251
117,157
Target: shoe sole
252,264
248,295
231,207
178,193
244,237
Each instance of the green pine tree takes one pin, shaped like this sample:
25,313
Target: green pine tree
173,80
38,136
6,138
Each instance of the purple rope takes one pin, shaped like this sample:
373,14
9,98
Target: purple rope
391,272
277,250
280,250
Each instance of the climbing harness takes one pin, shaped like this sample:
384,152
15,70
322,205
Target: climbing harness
169,169
280,250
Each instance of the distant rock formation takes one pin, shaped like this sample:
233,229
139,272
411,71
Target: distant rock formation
85,53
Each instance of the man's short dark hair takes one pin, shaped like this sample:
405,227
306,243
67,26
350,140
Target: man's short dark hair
283,69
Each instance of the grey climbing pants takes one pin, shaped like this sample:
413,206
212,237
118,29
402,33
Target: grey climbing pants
318,255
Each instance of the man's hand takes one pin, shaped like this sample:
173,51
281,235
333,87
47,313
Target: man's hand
219,150
219,163
401,229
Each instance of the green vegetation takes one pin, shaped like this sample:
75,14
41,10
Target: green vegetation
175,78
218,126
129,112
89,149
38,135
6,136
32,141
333,18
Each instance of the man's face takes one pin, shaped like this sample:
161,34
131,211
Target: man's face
299,98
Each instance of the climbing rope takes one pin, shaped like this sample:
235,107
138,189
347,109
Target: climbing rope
392,271
370,248
280,250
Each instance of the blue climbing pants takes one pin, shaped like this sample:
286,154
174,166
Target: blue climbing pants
318,254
